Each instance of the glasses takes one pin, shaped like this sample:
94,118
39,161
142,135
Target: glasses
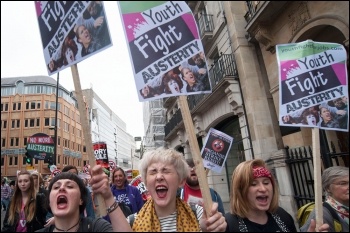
342,183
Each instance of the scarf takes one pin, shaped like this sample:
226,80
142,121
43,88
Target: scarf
342,210
147,219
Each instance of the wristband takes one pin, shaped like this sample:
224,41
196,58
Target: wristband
112,207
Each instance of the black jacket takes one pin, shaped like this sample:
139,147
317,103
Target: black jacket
37,223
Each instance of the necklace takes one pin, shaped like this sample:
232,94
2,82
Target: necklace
69,228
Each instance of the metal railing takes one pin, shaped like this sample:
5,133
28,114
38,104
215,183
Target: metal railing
300,163
205,24
174,121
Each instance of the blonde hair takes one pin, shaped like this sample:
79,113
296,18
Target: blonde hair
16,202
242,178
166,156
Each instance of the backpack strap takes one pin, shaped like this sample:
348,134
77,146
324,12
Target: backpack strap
232,222
335,216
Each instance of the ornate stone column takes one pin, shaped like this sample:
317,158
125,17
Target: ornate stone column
235,100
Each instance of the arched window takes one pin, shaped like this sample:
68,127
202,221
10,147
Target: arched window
20,87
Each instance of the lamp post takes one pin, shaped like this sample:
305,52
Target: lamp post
56,111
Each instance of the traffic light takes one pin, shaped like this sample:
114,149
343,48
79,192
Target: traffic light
29,158
49,160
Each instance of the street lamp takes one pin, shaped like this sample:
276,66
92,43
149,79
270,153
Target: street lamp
55,127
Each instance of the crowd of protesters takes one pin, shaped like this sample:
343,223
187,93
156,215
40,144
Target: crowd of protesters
65,202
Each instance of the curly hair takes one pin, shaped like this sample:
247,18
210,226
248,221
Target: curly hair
167,78
68,43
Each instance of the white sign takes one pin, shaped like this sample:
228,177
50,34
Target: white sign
216,148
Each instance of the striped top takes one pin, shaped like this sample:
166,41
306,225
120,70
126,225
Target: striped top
168,223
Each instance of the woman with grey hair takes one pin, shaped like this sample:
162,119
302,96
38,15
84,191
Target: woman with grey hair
163,172
335,183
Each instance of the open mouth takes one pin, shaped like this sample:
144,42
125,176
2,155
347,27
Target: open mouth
62,201
262,199
161,191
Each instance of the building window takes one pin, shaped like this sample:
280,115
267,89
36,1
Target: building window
31,123
15,124
16,106
66,111
3,142
14,142
33,105
20,87
25,141
3,124
4,107
66,127
53,122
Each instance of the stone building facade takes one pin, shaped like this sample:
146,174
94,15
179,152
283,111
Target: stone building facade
239,38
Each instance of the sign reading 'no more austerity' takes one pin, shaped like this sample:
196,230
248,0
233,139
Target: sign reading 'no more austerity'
40,146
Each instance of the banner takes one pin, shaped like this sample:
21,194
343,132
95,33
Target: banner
215,150
165,49
71,31
313,83
140,185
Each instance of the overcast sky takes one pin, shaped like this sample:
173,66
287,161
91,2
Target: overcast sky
109,72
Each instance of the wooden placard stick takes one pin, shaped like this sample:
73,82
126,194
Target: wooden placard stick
101,205
317,176
196,154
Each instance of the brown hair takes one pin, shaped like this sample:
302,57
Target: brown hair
166,79
16,202
119,169
242,178
68,43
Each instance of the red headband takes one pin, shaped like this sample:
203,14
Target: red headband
261,172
